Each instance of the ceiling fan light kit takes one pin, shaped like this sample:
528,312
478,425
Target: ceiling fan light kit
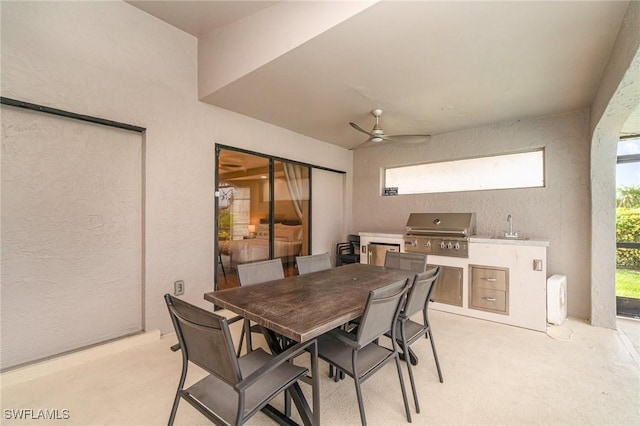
377,135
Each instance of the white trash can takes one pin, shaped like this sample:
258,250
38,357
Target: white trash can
556,299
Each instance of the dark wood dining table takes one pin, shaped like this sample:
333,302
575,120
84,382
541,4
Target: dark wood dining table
303,307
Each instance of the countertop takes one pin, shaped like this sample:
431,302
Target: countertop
483,239
381,234
487,239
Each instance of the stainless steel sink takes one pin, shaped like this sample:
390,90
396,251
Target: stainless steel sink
503,237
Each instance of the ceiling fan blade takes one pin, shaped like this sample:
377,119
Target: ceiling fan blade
414,139
360,129
362,145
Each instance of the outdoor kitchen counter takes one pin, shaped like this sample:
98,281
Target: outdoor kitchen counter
487,239
524,263
521,262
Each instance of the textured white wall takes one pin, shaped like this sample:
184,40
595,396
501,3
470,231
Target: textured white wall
71,234
559,212
111,60
617,96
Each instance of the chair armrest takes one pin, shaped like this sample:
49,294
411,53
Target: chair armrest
275,362
345,337
402,317
343,248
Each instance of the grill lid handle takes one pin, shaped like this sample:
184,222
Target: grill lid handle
435,233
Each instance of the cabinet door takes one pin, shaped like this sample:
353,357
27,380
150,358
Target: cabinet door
449,287
378,252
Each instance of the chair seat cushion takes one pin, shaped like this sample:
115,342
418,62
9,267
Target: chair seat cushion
338,353
223,399
412,330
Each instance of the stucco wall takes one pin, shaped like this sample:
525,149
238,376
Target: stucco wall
559,212
71,231
111,60
617,96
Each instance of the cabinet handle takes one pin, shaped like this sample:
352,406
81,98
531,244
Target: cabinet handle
490,299
488,279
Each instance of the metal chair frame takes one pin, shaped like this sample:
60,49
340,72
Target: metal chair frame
271,270
236,388
359,356
313,263
415,262
409,331
348,251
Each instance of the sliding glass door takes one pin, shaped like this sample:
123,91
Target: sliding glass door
290,212
262,212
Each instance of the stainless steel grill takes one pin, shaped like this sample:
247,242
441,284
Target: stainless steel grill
441,234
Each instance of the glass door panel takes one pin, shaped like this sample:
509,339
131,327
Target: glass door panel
291,212
243,213
262,212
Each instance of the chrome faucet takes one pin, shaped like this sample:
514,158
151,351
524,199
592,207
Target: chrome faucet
510,234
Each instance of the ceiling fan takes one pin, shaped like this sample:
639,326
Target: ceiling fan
230,166
377,135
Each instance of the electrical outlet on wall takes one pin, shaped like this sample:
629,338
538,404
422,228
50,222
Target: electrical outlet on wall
178,288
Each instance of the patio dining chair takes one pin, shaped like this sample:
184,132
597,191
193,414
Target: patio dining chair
256,273
235,388
415,262
348,251
313,263
359,355
408,331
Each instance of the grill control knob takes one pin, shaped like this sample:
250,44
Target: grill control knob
443,245
456,246
450,245
427,244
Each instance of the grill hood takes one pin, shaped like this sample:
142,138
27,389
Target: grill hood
462,224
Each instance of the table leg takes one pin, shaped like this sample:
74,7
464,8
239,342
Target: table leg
413,358
276,415
309,418
315,384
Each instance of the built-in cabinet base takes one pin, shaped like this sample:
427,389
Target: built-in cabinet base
513,290
518,266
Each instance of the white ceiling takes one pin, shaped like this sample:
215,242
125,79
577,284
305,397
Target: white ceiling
433,67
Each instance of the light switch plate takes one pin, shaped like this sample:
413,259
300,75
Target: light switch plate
178,288
537,264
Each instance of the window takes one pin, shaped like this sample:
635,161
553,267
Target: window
628,169
628,227
520,170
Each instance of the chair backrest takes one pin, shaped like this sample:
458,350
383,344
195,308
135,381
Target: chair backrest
381,311
313,263
415,262
205,339
354,242
418,295
259,272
